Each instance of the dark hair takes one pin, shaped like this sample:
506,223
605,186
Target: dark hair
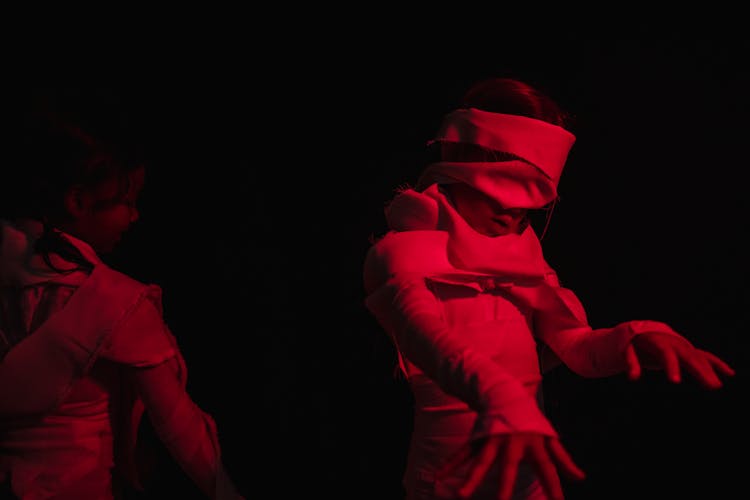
512,96
56,154
509,96
57,148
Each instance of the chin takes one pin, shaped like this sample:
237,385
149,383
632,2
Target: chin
501,231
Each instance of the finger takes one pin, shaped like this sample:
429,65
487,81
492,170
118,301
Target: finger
511,457
700,368
479,469
671,364
564,460
547,472
719,363
634,366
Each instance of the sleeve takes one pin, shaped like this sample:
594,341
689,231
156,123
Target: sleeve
155,369
407,309
143,339
188,432
562,325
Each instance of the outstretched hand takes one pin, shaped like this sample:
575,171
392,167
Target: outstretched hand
545,454
657,350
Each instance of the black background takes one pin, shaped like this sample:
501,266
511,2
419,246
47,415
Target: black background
267,178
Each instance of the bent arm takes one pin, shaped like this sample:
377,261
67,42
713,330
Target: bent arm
156,370
562,325
408,310
186,431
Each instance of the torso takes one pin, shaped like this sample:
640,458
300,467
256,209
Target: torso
442,423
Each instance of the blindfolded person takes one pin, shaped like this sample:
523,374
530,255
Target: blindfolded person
461,285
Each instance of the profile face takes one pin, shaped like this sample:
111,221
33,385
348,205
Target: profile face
484,214
107,211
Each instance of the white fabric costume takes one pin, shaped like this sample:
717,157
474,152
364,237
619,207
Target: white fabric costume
75,351
469,313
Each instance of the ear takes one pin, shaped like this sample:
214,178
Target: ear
76,202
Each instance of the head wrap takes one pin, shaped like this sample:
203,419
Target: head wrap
530,180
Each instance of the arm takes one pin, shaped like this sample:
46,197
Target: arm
187,432
587,351
156,371
410,312
562,325
510,426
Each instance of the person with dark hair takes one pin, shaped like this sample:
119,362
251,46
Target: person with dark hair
84,348
460,284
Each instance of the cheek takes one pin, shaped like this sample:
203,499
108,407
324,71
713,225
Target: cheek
114,220
121,218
